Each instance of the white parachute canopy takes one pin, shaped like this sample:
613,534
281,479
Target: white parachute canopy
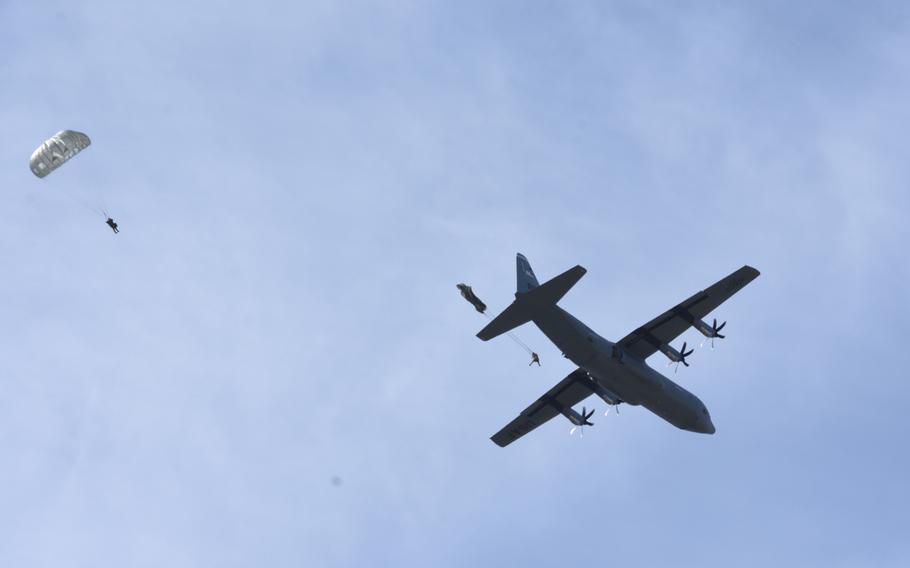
56,151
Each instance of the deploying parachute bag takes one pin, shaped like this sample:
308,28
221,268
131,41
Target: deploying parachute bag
56,151
469,295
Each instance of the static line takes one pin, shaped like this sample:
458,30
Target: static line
514,337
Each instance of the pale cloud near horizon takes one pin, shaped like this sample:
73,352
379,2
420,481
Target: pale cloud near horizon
300,186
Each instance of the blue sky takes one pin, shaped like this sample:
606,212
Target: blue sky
299,187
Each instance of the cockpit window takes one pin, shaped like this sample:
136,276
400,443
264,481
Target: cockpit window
704,411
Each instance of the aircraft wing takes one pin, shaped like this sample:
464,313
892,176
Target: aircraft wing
569,392
645,341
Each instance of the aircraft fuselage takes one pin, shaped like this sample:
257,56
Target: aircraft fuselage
622,376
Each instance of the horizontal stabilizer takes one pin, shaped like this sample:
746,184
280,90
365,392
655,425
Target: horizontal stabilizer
529,304
553,290
518,313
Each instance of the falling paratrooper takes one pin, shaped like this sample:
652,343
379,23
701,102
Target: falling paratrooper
58,150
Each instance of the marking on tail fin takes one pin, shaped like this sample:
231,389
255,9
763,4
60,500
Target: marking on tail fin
527,280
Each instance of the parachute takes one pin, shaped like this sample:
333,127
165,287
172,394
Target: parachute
56,151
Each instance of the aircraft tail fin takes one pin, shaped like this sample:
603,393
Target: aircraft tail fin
531,303
526,279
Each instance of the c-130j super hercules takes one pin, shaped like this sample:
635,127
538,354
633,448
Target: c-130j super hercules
616,372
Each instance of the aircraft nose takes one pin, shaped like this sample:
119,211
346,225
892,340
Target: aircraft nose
705,425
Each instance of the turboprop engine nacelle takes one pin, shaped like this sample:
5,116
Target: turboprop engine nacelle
676,356
672,354
709,331
577,419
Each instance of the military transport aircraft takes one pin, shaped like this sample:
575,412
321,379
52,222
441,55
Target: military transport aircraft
616,372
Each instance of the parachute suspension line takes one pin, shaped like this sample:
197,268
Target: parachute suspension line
79,202
514,338
520,342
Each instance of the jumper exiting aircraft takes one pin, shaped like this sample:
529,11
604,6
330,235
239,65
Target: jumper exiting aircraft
616,372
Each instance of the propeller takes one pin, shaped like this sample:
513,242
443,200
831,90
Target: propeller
585,421
682,357
715,332
586,416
